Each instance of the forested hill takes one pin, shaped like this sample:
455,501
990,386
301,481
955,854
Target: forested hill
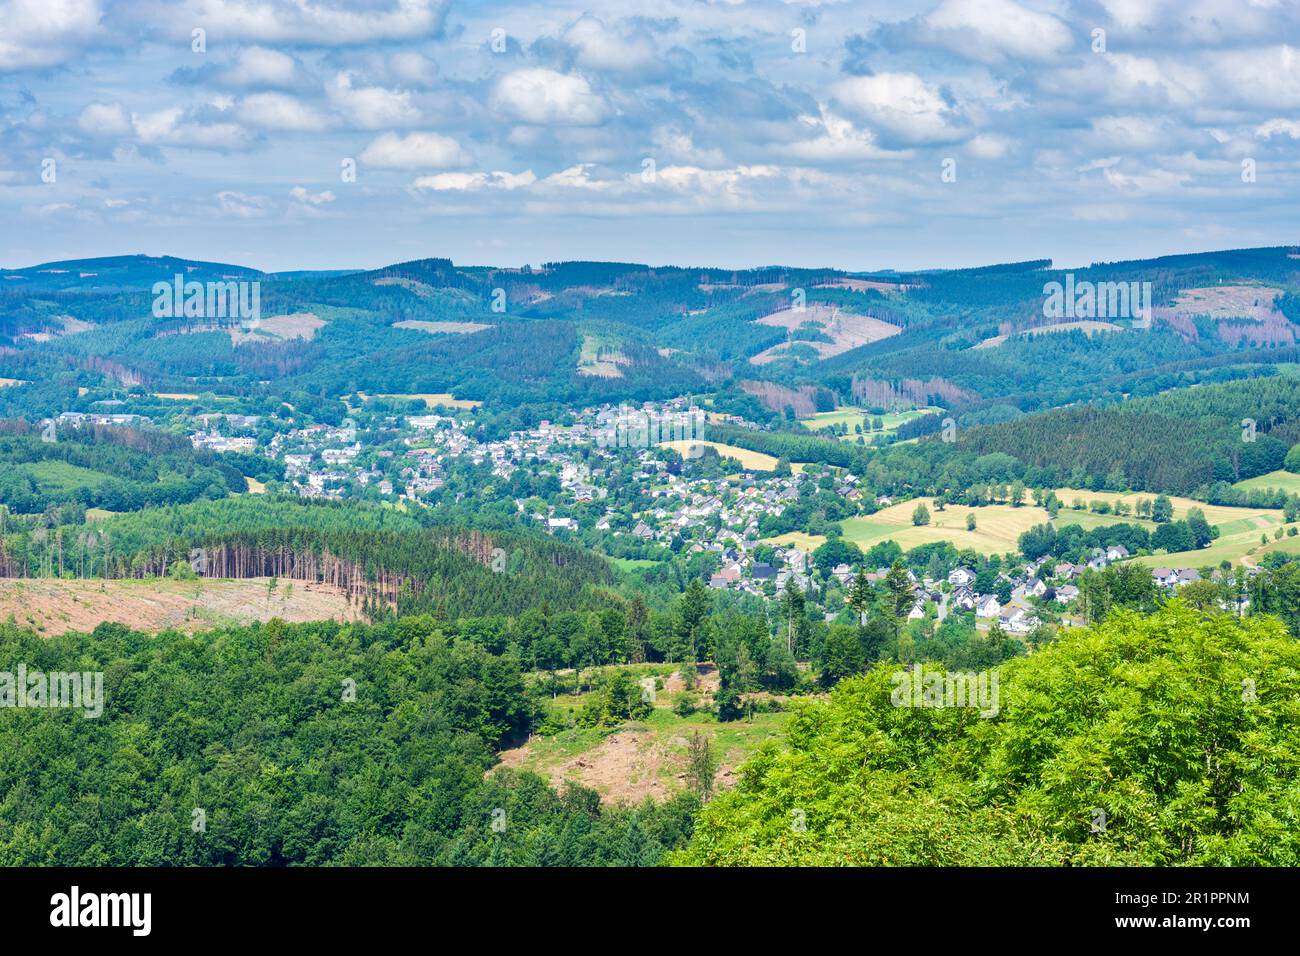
385,559
574,332
1181,442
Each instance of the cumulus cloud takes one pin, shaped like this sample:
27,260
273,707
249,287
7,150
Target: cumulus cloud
602,48
372,107
993,30
541,96
414,151
314,22
472,182
902,105
989,146
1278,127
302,195
276,111
35,34
258,66
104,120
179,127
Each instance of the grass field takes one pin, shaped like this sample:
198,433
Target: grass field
61,476
1214,514
632,564
852,416
1233,545
433,399
1239,528
754,460
1287,481
998,527
806,543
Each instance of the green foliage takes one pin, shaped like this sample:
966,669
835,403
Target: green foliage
1162,740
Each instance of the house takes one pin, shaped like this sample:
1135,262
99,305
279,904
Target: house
1035,586
1098,563
1165,577
917,612
963,598
1017,621
1187,576
1116,552
961,577
1066,571
1066,593
987,605
763,571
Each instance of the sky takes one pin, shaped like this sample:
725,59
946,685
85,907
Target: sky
301,134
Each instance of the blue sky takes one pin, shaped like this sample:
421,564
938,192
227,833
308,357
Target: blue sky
690,133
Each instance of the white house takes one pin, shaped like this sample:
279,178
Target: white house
961,577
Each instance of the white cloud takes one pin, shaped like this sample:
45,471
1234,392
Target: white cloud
1132,133
257,66
692,179
372,107
104,119
989,146
44,33
901,103
579,177
599,47
1278,127
837,139
1259,77
278,111
311,199
415,151
414,68
545,96
993,30
472,182
173,127
313,22
241,205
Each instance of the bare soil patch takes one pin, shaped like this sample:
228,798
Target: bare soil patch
57,606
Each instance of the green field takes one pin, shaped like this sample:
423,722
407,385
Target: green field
1287,481
1234,545
997,527
852,416
59,476
632,564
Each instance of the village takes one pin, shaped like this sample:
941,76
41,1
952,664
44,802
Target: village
617,489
